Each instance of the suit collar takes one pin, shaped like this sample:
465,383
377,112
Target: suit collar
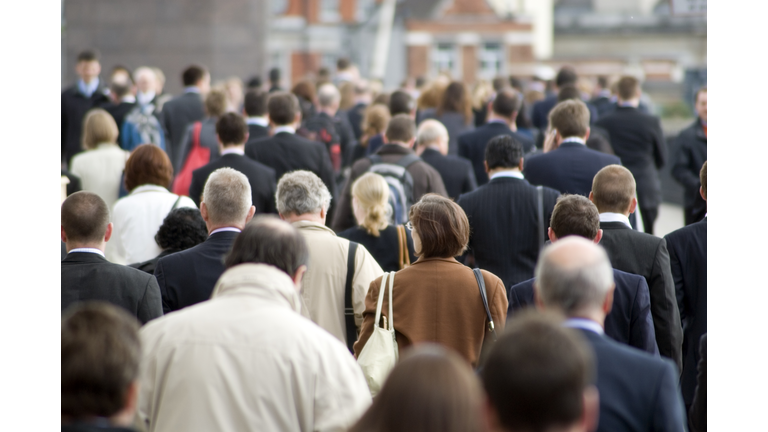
221,236
84,257
431,152
497,125
614,226
506,180
571,145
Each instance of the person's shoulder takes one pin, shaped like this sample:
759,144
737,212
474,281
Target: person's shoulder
127,273
524,286
686,232
626,279
179,258
354,234
458,161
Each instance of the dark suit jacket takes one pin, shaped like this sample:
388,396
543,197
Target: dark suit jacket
456,172
688,259
287,152
697,416
385,248
568,169
637,139
74,105
261,178
89,276
504,226
355,116
629,321
472,146
257,131
646,255
188,277
637,391
177,114
540,110
689,158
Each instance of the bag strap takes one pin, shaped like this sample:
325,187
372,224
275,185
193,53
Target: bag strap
349,311
382,288
375,159
176,204
407,160
391,316
481,286
196,128
400,258
540,215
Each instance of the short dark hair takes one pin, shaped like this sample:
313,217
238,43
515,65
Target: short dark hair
282,107
182,228
613,189
499,83
100,355
566,75
192,74
400,102
255,103
627,87
506,103
231,129
269,240
254,82
148,164
575,215
602,81
537,372
343,63
401,128
442,226
515,83
568,92
88,56
503,151
570,118
274,75
84,217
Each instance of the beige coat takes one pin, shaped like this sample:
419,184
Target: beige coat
323,286
247,361
100,170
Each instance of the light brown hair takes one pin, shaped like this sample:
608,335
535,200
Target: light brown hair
84,217
216,103
575,215
627,87
375,121
703,179
613,189
148,164
98,127
456,98
401,128
441,225
570,118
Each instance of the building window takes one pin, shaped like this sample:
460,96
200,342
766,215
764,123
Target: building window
490,60
329,11
444,58
279,7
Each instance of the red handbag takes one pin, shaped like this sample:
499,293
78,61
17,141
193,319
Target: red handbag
198,156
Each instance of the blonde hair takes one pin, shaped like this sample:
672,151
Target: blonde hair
98,127
372,193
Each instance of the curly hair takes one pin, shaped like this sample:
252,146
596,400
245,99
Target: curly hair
181,229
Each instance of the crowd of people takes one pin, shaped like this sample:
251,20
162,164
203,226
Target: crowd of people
338,257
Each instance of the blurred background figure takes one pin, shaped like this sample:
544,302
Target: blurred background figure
432,146
204,132
274,80
142,124
184,109
255,112
182,229
690,157
233,89
454,111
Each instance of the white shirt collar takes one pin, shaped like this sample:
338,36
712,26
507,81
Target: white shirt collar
148,188
289,129
584,324
615,217
261,121
514,174
191,89
128,98
145,98
574,140
231,229
87,250
233,150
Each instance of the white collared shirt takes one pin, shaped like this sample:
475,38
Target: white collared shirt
261,121
87,250
191,89
584,324
218,230
574,140
233,150
289,129
145,98
513,174
615,217
129,98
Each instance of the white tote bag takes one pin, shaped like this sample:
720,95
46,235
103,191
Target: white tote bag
380,353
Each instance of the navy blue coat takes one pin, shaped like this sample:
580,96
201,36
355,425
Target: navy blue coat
472,146
568,169
629,322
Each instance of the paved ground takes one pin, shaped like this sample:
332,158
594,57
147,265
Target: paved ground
670,218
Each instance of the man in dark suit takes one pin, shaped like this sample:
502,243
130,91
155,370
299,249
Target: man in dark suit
188,277
540,110
85,272
688,259
691,155
432,147
507,229
570,166
638,391
357,112
629,320
274,81
602,100
285,151
637,139
76,100
121,91
182,110
231,133
255,111
613,193
501,121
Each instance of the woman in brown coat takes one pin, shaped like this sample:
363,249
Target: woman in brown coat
437,299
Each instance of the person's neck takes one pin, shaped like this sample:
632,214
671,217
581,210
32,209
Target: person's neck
214,227
234,146
625,213
594,315
399,143
630,102
502,170
330,111
89,80
498,118
422,148
306,217
100,246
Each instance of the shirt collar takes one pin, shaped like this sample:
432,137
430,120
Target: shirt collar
626,104
233,150
584,324
261,121
87,250
574,140
230,229
191,89
88,89
496,121
145,98
289,129
615,217
514,174
129,98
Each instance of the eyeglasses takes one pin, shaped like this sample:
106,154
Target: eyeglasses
409,226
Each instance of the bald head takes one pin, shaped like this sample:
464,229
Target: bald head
613,189
574,276
432,133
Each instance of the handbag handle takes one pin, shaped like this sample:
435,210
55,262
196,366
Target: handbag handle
481,286
387,277
404,256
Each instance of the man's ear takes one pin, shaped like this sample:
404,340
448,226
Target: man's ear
246,137
384,139
299,276
701,192
633,205
551,235
204,211
591,197
108,234
63,235
485,164
297,119
411,142
490,416
608,303
586,137
521,164
599,236
536,299
251,212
